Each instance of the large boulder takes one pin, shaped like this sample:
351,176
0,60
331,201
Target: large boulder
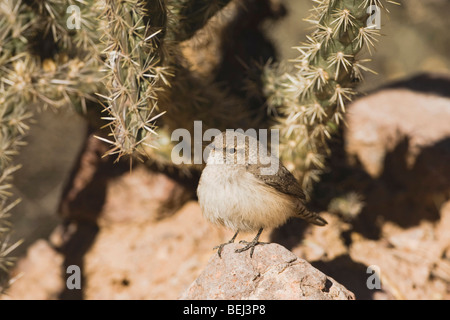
272,273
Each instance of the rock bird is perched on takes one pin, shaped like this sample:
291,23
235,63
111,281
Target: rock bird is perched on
245,189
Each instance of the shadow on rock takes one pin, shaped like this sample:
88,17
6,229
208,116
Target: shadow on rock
290,234
413,181
82,203
405,195
437,84
351,274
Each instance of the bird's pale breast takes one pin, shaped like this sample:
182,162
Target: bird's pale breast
238,200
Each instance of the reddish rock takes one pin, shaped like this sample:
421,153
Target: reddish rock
273,273
149,260
38,276
378,122
412,262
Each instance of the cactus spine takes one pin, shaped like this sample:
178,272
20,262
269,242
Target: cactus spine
65,73
311,102
134,74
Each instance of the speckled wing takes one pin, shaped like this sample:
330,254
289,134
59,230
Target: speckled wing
285,182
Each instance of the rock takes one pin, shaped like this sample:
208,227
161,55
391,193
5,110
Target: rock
146,259
149,191
378,122
321,243
39,275
273,273
52,145
99,187
150,259
412,262
398,145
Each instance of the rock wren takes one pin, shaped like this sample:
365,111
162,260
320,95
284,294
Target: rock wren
235,192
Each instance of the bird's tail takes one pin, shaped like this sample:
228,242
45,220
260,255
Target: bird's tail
311,217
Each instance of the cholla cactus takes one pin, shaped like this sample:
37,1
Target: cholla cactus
65,74
192,48
348,206
188,16
45,61
143,55
135,74
12,124
311,101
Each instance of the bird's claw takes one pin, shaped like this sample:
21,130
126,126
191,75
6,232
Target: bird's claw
249,245
221,246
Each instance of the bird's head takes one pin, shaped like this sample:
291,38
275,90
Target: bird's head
234,149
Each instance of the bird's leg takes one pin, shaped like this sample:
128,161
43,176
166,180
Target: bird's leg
220,246
251,245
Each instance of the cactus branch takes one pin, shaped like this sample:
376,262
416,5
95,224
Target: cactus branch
311,102
135,75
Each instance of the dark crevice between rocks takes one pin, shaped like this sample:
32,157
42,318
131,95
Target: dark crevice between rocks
327,286
352,275
84,196
82,203
432,83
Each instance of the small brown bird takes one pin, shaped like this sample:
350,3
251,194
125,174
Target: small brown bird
247,190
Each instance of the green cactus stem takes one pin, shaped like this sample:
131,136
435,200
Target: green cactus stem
311,101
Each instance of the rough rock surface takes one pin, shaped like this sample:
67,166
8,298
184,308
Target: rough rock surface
149,260
398,144
413,263
378,122
272,273
39,276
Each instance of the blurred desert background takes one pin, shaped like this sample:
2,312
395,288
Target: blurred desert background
141,235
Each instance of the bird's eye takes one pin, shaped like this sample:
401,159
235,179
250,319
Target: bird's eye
231,150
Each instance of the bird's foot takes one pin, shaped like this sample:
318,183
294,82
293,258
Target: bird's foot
250,245
220,247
